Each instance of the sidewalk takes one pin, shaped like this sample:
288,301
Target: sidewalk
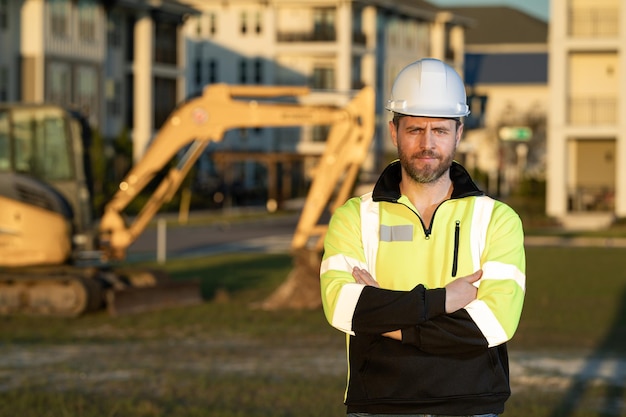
579,241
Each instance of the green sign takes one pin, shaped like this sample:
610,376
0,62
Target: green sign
521,133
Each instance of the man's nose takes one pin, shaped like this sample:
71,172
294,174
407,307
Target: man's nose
427,139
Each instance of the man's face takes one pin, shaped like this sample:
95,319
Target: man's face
426,146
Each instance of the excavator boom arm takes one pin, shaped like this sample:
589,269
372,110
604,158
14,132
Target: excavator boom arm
204,119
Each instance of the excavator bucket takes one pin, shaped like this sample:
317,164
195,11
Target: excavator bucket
138,291
139,300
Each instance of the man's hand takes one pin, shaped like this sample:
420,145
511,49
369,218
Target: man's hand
362,276
461,291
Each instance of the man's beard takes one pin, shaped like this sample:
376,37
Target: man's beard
429,173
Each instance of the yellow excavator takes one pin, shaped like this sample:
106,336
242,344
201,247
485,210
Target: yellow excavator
56,260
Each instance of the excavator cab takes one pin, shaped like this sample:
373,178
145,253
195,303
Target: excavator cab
46,212
49,262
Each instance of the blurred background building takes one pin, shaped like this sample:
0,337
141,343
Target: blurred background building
506,77
127,64
586,177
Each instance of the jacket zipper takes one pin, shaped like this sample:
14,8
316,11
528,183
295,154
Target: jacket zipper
455,259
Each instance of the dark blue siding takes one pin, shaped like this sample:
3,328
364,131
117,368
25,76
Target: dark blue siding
513,68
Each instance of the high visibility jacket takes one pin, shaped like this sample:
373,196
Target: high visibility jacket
450,364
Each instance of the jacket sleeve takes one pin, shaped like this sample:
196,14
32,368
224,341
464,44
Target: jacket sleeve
493,317
354,308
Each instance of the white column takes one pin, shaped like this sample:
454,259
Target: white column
368,64
620,166
556,178
368,74
438,35
343,26
32,47
143,111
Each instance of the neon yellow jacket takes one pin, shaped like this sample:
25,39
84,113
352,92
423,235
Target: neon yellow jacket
446,363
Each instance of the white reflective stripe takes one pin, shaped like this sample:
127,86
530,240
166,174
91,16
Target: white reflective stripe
344,309
502,271
340,262
370,229
487,322
483,207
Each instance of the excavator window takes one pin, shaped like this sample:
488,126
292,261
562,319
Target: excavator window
41,144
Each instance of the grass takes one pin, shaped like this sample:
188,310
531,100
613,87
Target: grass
224,358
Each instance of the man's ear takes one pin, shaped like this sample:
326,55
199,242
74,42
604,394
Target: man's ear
393,132
459,134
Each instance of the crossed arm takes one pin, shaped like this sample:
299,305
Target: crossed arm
459,292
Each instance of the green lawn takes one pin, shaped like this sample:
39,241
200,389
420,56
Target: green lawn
225,358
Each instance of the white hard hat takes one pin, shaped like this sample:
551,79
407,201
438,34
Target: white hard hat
429,88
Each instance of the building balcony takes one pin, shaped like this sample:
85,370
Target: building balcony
591,22
320,35
586,111
590,198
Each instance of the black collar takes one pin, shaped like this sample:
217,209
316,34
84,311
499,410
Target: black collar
387,187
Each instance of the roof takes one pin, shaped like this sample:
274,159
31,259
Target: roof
168,6
502,25
506,68
419,8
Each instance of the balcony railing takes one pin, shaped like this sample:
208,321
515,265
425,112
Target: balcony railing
589,22
359,38
592,111
586,198
320,35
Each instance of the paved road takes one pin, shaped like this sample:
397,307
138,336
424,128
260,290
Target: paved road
273,234
270,234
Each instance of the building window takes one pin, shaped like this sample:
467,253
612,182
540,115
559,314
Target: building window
212,24
323,78
198,21
114,30
165,44
595,21
4,14
86,96
244,23
324,24
258,23
213,71
114,98
4,84
198,71
5,149
320,133
243,71
165,90
59,18
87,20
258,71
59,83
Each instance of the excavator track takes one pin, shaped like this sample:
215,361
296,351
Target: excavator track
50,291
72,291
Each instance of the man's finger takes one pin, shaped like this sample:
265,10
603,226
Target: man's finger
475,276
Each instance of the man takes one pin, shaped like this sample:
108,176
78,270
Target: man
426,274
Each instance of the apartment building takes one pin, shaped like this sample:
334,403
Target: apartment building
110,60
586,175
332,47
127,63
506,76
